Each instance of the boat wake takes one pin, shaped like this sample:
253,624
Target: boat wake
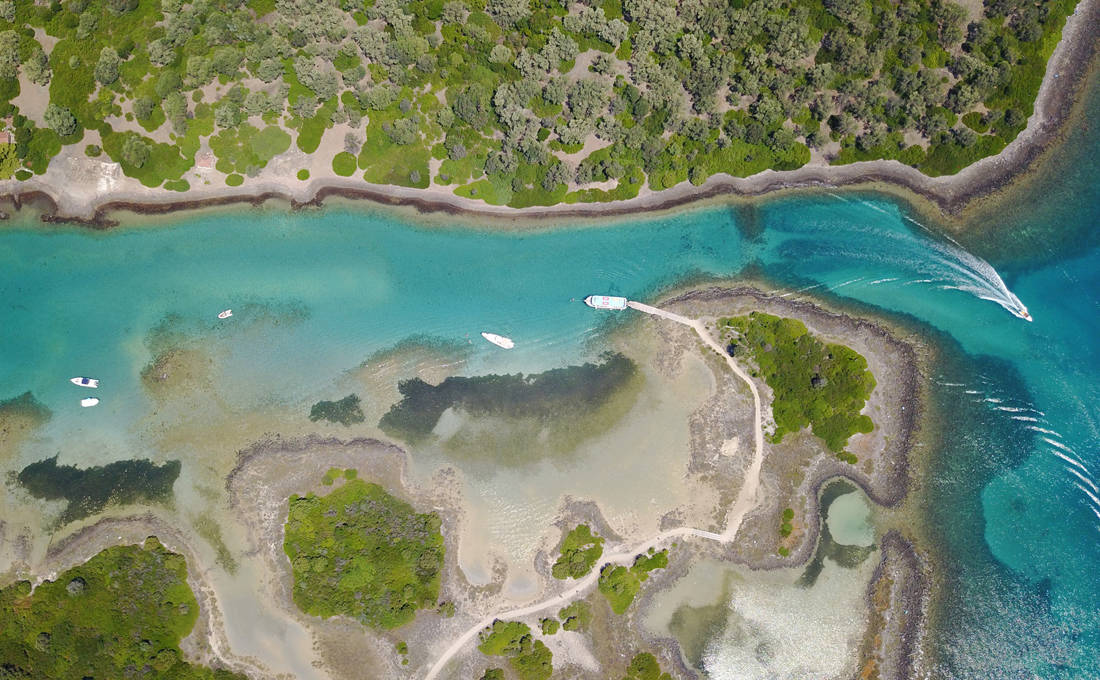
938,259
971,274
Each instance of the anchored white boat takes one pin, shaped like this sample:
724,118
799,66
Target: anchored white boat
605,302
84,382
90,401
226,314
499,340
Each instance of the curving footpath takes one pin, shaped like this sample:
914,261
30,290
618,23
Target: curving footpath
746,499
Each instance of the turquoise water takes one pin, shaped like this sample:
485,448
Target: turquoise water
1014,498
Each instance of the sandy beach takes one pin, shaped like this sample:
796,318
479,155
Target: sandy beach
65,194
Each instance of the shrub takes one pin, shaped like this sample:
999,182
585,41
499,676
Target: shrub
579,551
344,164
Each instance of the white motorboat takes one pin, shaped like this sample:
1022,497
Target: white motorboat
84,382
605,302
499,340
226,314
90,401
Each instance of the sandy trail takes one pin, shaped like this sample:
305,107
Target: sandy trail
745,500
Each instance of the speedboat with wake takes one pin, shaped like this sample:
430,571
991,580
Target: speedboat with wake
84,382
499,340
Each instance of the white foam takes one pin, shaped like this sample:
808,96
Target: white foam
1070,460
1090,494
1084,479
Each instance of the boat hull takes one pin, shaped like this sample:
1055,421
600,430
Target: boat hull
499,340
84,382
605,302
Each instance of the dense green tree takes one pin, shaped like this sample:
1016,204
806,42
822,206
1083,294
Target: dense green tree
106,68
135,151
60,120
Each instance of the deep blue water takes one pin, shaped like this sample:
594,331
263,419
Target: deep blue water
1014,503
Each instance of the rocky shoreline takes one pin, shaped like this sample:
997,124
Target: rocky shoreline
1067,70
893,642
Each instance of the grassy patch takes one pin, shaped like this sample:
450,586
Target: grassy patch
344,164
247,150
360,552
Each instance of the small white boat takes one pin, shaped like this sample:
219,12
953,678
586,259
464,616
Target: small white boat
90,401
84,382
499,340
226,314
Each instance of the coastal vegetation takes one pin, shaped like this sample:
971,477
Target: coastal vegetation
89,490
345,411
362,553
619,584
579,551
552,407
644,666
785,528
529,658
121,614
823,386
520,102
576,616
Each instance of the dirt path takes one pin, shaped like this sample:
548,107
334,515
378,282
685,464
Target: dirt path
745,501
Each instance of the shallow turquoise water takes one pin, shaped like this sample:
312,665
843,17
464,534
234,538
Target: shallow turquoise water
1015,499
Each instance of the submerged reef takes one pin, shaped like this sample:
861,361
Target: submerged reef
127,608
360,552
89,490
18,417
560,396
345,411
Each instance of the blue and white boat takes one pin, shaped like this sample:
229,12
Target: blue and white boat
84,382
